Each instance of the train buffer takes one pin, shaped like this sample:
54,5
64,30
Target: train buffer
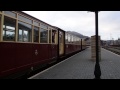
80,66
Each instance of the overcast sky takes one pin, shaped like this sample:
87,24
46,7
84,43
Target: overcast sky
82,22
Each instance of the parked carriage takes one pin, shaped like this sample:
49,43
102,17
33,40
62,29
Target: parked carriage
27,44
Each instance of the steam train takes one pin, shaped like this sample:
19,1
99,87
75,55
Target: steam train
27,44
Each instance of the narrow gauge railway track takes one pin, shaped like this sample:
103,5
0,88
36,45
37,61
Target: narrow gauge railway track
113,49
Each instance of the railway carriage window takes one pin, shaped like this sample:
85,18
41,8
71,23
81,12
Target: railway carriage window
49,35
79,41
20,35
9,29
66,39
72,39
43,26
53,36
76,40
25,36
0,25
43,35
60,37
24,19
36,34
10,13
24,32
35,23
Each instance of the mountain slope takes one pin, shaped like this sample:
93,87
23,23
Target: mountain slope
77,34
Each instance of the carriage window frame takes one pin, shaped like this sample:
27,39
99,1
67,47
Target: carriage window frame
70,39
0,26
9,32
28,37
36,23
43,26
74,39
42,37
25,19
66,38
54,36
37,28
10,13
61,37
50,35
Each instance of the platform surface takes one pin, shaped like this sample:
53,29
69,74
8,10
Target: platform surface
80,66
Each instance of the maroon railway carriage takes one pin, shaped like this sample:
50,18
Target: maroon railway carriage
73,43
27,44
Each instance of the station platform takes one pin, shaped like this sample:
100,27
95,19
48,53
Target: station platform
80,66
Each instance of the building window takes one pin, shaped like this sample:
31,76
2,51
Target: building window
24,32
25,19
9,29
43,36
36,34
10,13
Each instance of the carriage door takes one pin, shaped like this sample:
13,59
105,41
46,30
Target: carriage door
61,43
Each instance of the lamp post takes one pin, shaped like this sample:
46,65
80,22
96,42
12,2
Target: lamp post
97,71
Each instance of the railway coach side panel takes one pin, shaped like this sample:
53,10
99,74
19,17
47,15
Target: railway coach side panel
40,54
53,51
70,48
78,47
67,48
14,57
43,53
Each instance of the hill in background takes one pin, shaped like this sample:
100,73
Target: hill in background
77,34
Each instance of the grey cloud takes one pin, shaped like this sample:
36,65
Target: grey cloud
82,21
